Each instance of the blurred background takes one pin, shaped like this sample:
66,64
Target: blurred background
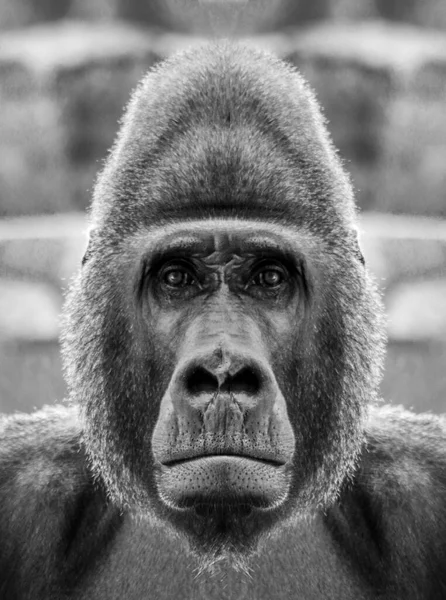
67,68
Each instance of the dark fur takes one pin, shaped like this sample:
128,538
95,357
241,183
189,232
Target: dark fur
221,133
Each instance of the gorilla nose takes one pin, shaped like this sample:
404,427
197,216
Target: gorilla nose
223,403
242,378
202,379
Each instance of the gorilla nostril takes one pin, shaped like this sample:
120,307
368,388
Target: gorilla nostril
245,381
201,380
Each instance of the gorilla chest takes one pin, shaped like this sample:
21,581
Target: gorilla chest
145,563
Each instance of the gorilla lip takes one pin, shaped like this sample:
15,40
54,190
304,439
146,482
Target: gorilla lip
186,459
235,478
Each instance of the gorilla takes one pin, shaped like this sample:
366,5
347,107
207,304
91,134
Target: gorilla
223,347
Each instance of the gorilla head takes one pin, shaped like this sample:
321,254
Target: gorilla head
223,338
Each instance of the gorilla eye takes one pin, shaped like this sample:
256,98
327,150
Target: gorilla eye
177,277
270,277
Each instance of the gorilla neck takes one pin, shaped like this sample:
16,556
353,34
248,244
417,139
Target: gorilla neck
160,566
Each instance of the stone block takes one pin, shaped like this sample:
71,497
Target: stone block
20,13
96,10
382,88
430,13
352,9
62,91
222,17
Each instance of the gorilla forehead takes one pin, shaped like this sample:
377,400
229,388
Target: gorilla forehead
223,129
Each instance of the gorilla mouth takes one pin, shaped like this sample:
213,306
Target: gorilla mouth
258,458
223,481
223,502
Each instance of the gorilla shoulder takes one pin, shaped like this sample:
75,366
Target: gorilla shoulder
409,452
39,455
48,503
392,519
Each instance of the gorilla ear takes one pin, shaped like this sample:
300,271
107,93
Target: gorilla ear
358,250
86,255
88,250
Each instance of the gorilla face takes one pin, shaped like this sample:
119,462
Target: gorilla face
223,338
226,292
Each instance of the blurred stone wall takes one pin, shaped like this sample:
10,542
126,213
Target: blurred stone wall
66,72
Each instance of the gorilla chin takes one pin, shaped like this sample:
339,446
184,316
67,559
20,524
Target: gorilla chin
223,504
